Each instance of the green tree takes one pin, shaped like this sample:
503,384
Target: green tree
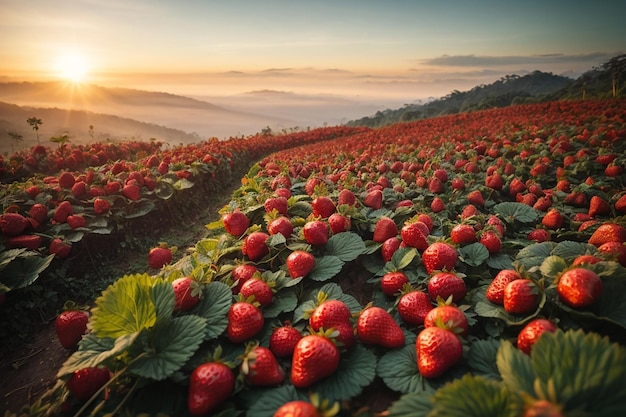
34,123
616,67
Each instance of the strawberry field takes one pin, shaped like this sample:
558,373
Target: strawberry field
471,264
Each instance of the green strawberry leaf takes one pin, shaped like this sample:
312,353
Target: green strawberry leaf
283,302
139,209
512,211
346,246
398,370
170,346
326,268
214,306
164,189
552,266
415,404
93,351
276,240
22,268
500,261
125,307
473,254
401,259
481,358
569,250
515,368
356,370
164,300
533,255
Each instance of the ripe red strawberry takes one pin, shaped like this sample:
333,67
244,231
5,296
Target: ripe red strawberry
60,248
70,326
476,198
447,317
413,307
494,181
374,199
608,232
159,256
543,204
284,340
297,408
132,191
491,241
281,225
579,287
300,263
38,212
66,180
516,186
79,189
209,386
521,296
62,211
260,368
375,326
614,251
316,232
469,211
339,223
463,234
437,205
101,206
439,256
187,293
445,284
553,219
598,207
620,204
613,170
33,191
314,358
259,289
245,320
392,282
458,184
385,228
255,247
495,290
527,337
437,351
31,242
346,197
85,382
75,221
236,223
585,260
241,273
280,204
389,247
539,235
427,220
413,235
435,186
323,207
328,314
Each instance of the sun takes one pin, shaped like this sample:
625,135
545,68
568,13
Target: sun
72,67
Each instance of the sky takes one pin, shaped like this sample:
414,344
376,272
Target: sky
403,49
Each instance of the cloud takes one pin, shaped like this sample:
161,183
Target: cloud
496,61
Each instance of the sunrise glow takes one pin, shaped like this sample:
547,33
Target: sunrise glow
72,67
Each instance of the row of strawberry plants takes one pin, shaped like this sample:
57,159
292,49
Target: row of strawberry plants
437,267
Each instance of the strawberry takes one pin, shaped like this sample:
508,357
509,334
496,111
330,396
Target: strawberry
585,260
85,382
437,351
60,248
445,284
33,191
159,256
328,314
389,247
323,207
255,247
608,232
281,225
30,242
375,326
316,232
385,228
458,184
66,180
447,317
339,223
300,263
132,191
539,235
245,320
79,189
209,386
435,186
579,287
543,204
598,207
38,212
280,204
70,326
75,221
516,186
260,368
392,282
476,198
344,335
521,296
374,199
553,219
101,206
284,339
314,358
259,289
298,408
62,211
463,234
346,197
187,293
613,170
543,408
241,273
527,337
437,205
620,204
494,181
491,241
427,220
495,290
439,256
469,211
236,223
413,235
413,307
614,251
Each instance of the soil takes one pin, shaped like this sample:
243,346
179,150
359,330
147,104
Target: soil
29,370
